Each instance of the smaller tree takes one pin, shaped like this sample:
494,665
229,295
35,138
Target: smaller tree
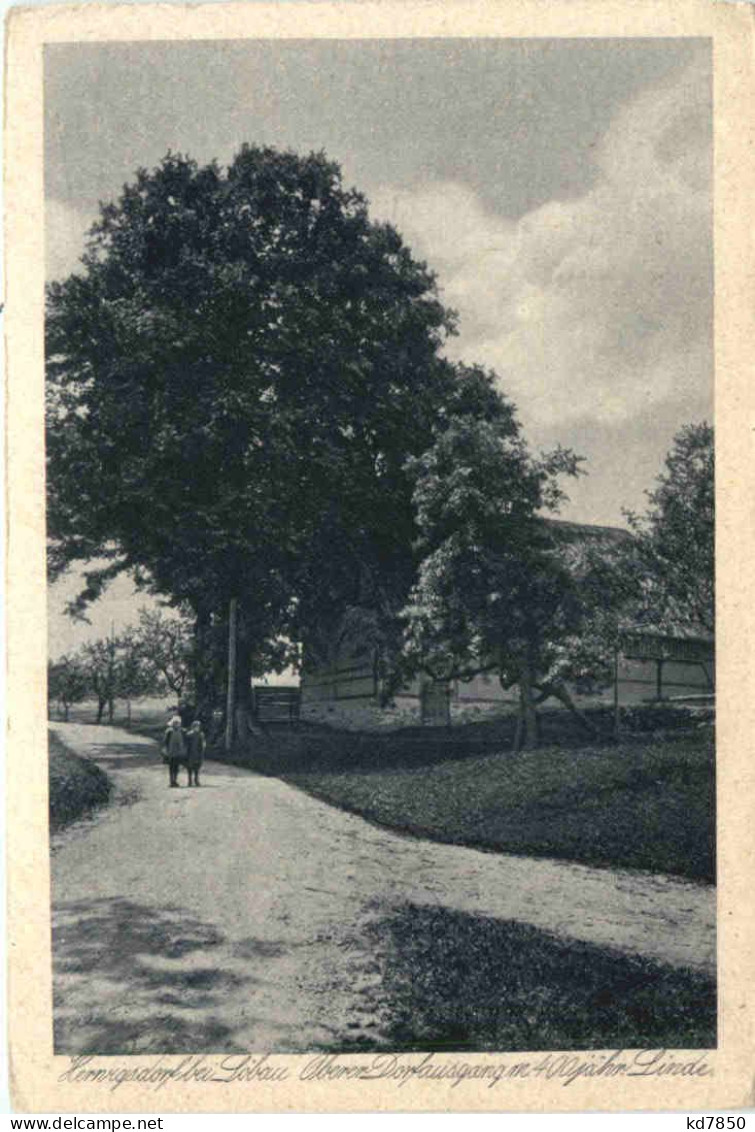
674,542
492,585
166,645
566,629
101,662
67,682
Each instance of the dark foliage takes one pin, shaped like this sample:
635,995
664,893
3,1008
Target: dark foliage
77,786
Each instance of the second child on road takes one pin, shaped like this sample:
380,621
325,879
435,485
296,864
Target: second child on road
195,749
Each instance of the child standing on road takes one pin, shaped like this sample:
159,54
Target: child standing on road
195,749
174,746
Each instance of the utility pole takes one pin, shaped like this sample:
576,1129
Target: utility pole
230,705
111,673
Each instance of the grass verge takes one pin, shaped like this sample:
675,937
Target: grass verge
643,804
452,981
77,786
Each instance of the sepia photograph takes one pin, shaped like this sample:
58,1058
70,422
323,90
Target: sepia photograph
381,537
369,733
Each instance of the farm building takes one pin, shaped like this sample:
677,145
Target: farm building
345,689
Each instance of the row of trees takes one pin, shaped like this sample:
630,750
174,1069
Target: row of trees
249,408
153,658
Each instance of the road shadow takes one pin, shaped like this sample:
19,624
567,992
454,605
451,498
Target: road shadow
130,979
123,756
454,981
127,757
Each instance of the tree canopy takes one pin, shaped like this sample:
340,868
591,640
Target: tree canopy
236,377
674,541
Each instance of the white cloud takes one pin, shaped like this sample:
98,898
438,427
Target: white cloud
597,308
65,231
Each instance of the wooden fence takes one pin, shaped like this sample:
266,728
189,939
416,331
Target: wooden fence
277,704
653,666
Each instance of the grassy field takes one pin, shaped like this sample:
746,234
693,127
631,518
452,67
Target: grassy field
77,785
451,981
644,804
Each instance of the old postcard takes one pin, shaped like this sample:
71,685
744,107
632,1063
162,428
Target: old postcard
379,422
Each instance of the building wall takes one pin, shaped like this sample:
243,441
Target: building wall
485,688
351,675
346,692
638,679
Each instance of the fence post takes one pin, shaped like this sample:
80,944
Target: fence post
616,710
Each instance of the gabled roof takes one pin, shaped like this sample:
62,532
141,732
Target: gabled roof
668,630
563,530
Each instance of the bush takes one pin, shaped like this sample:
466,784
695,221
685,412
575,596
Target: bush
77,786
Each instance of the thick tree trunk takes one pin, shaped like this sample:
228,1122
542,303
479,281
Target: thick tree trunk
243,684
100,709
230,702
517,744
65,712
205,682
527,732
110,709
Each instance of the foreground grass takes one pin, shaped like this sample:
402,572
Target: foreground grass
451,981
77,785
644,804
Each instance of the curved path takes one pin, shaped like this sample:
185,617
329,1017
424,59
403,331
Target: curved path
237,916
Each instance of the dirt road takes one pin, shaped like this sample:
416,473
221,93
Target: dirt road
237,916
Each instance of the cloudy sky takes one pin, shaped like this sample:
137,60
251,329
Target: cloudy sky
561,190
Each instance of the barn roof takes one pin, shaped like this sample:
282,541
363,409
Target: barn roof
670,630
563,530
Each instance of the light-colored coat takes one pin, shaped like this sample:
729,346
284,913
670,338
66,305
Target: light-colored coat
175,743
